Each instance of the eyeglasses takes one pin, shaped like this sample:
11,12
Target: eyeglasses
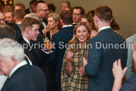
76,14
46,10
2,20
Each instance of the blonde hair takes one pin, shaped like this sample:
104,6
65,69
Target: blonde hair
56,17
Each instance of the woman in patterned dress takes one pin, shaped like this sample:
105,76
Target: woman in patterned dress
71,80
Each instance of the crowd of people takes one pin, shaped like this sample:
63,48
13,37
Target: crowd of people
41,50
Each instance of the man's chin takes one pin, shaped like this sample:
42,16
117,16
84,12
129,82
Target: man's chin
34,39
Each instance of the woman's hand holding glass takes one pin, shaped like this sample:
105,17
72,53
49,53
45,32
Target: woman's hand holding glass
45,30
69,56
84,62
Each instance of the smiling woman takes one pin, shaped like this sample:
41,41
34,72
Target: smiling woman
73,60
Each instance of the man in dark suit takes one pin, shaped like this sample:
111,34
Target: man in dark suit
105,49
60,39
21,76
33,49
42,11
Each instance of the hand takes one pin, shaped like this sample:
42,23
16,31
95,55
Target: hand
82,71
117,70
134,49
134,55
134,52
45,30
84,62
69,56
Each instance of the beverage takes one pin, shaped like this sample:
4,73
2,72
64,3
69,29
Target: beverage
47,43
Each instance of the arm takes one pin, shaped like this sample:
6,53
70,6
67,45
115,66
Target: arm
134,57
118,73
94,59
129,59
69,67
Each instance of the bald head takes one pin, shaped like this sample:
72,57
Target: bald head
42,10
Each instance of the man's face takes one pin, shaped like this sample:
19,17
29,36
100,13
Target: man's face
63,6
2,20
44,11
5,65
76,15
34,32
9,18
33,8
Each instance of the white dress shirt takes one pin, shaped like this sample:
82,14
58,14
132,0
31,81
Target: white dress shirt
102,28
17,67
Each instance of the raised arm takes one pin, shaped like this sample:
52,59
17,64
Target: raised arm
134,57
118,73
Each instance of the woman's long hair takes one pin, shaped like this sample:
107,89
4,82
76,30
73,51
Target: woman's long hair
74,41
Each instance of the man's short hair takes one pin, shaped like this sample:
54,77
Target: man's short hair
104,13
79,7
67,3
33,15
34,2
52,7
66,16
28,22
7,31
20,14
11,48
10,10
21,5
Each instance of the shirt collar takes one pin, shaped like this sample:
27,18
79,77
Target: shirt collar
67,25
18,23
17,67
26,40
102,28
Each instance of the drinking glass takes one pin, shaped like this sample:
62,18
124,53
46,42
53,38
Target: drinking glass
48,45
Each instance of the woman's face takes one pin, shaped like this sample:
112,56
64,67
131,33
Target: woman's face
84,20
52,23
82,34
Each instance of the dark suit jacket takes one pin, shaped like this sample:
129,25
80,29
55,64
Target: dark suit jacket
37,56
18,31
130,84
100,59
60,39
41,35
26,78
28,11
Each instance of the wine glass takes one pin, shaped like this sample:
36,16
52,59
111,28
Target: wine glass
48,45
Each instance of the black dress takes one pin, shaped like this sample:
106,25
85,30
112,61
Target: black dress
52,69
